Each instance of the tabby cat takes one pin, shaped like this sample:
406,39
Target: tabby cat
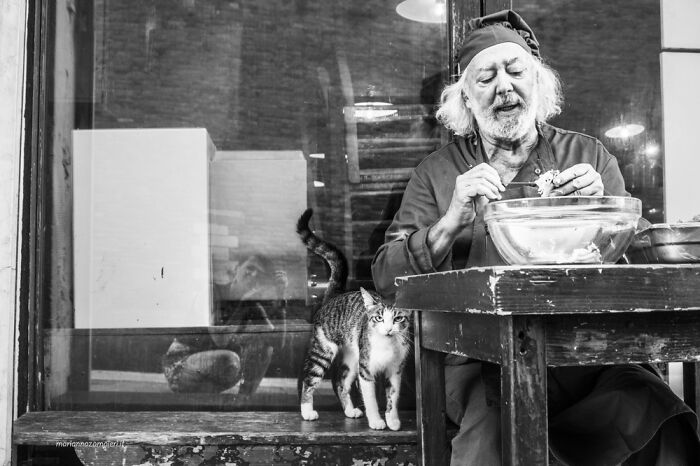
369,338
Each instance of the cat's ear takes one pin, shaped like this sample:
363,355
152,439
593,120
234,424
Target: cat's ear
367,298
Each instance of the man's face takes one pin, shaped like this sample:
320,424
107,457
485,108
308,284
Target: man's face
501,91
245,277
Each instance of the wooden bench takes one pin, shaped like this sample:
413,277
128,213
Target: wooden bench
194,437
108,386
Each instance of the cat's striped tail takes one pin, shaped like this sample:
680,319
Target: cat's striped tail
333,256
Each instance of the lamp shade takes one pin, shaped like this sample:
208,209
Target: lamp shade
424,11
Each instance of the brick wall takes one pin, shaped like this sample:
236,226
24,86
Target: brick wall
270,75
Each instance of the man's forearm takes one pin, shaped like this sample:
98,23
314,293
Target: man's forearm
441,237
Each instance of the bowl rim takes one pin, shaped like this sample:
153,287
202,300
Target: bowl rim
507,207
672,226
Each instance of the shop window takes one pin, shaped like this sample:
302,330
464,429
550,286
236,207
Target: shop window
184,140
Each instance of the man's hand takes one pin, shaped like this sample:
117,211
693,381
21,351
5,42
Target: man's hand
481,181
579,180
477,186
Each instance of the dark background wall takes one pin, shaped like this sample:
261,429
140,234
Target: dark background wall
271,75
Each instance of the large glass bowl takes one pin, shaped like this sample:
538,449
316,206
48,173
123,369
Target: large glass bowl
563,230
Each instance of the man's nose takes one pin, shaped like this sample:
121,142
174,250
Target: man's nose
503,83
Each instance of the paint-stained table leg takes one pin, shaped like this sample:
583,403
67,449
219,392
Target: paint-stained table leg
523,392
430,403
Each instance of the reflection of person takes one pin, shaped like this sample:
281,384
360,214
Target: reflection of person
216,361
498,109
253,286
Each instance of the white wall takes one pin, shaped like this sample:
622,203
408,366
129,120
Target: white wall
680,74
679,27
12,56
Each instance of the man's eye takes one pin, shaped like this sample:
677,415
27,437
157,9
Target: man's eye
486,79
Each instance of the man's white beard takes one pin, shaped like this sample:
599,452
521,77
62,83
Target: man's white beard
507,127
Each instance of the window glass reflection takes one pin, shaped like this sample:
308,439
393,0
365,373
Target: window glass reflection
611,77
187,137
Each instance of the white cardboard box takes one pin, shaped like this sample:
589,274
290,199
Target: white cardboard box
141,227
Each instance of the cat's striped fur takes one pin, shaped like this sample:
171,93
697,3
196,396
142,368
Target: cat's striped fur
371,338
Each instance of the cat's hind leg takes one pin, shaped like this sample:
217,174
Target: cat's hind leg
318,360
392,400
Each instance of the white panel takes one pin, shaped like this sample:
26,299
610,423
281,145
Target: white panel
679,25
680,74
141,215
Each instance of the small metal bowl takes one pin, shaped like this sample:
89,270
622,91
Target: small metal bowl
666,243
563,230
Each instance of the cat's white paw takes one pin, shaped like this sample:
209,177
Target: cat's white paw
377,424
309,414
353,413
393,422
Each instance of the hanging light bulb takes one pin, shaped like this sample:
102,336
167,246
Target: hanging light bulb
373,105
424,11
624,131
652,150
373,111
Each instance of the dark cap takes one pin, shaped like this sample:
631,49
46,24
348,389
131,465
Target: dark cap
493,29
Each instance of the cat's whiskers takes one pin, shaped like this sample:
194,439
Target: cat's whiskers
406,338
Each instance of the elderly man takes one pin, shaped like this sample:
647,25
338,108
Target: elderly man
498,111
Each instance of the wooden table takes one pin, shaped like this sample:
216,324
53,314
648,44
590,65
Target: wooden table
528,318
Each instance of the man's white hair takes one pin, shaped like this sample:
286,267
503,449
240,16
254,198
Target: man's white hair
454,114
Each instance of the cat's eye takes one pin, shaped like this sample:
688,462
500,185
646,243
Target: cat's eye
377,318
399,319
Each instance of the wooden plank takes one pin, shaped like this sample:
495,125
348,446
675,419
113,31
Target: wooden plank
396,157
555,290
524,392
121,400
623,338
66,58
691,385
203,428
37,267
433,448
449,333
454,291
292,326
383,175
